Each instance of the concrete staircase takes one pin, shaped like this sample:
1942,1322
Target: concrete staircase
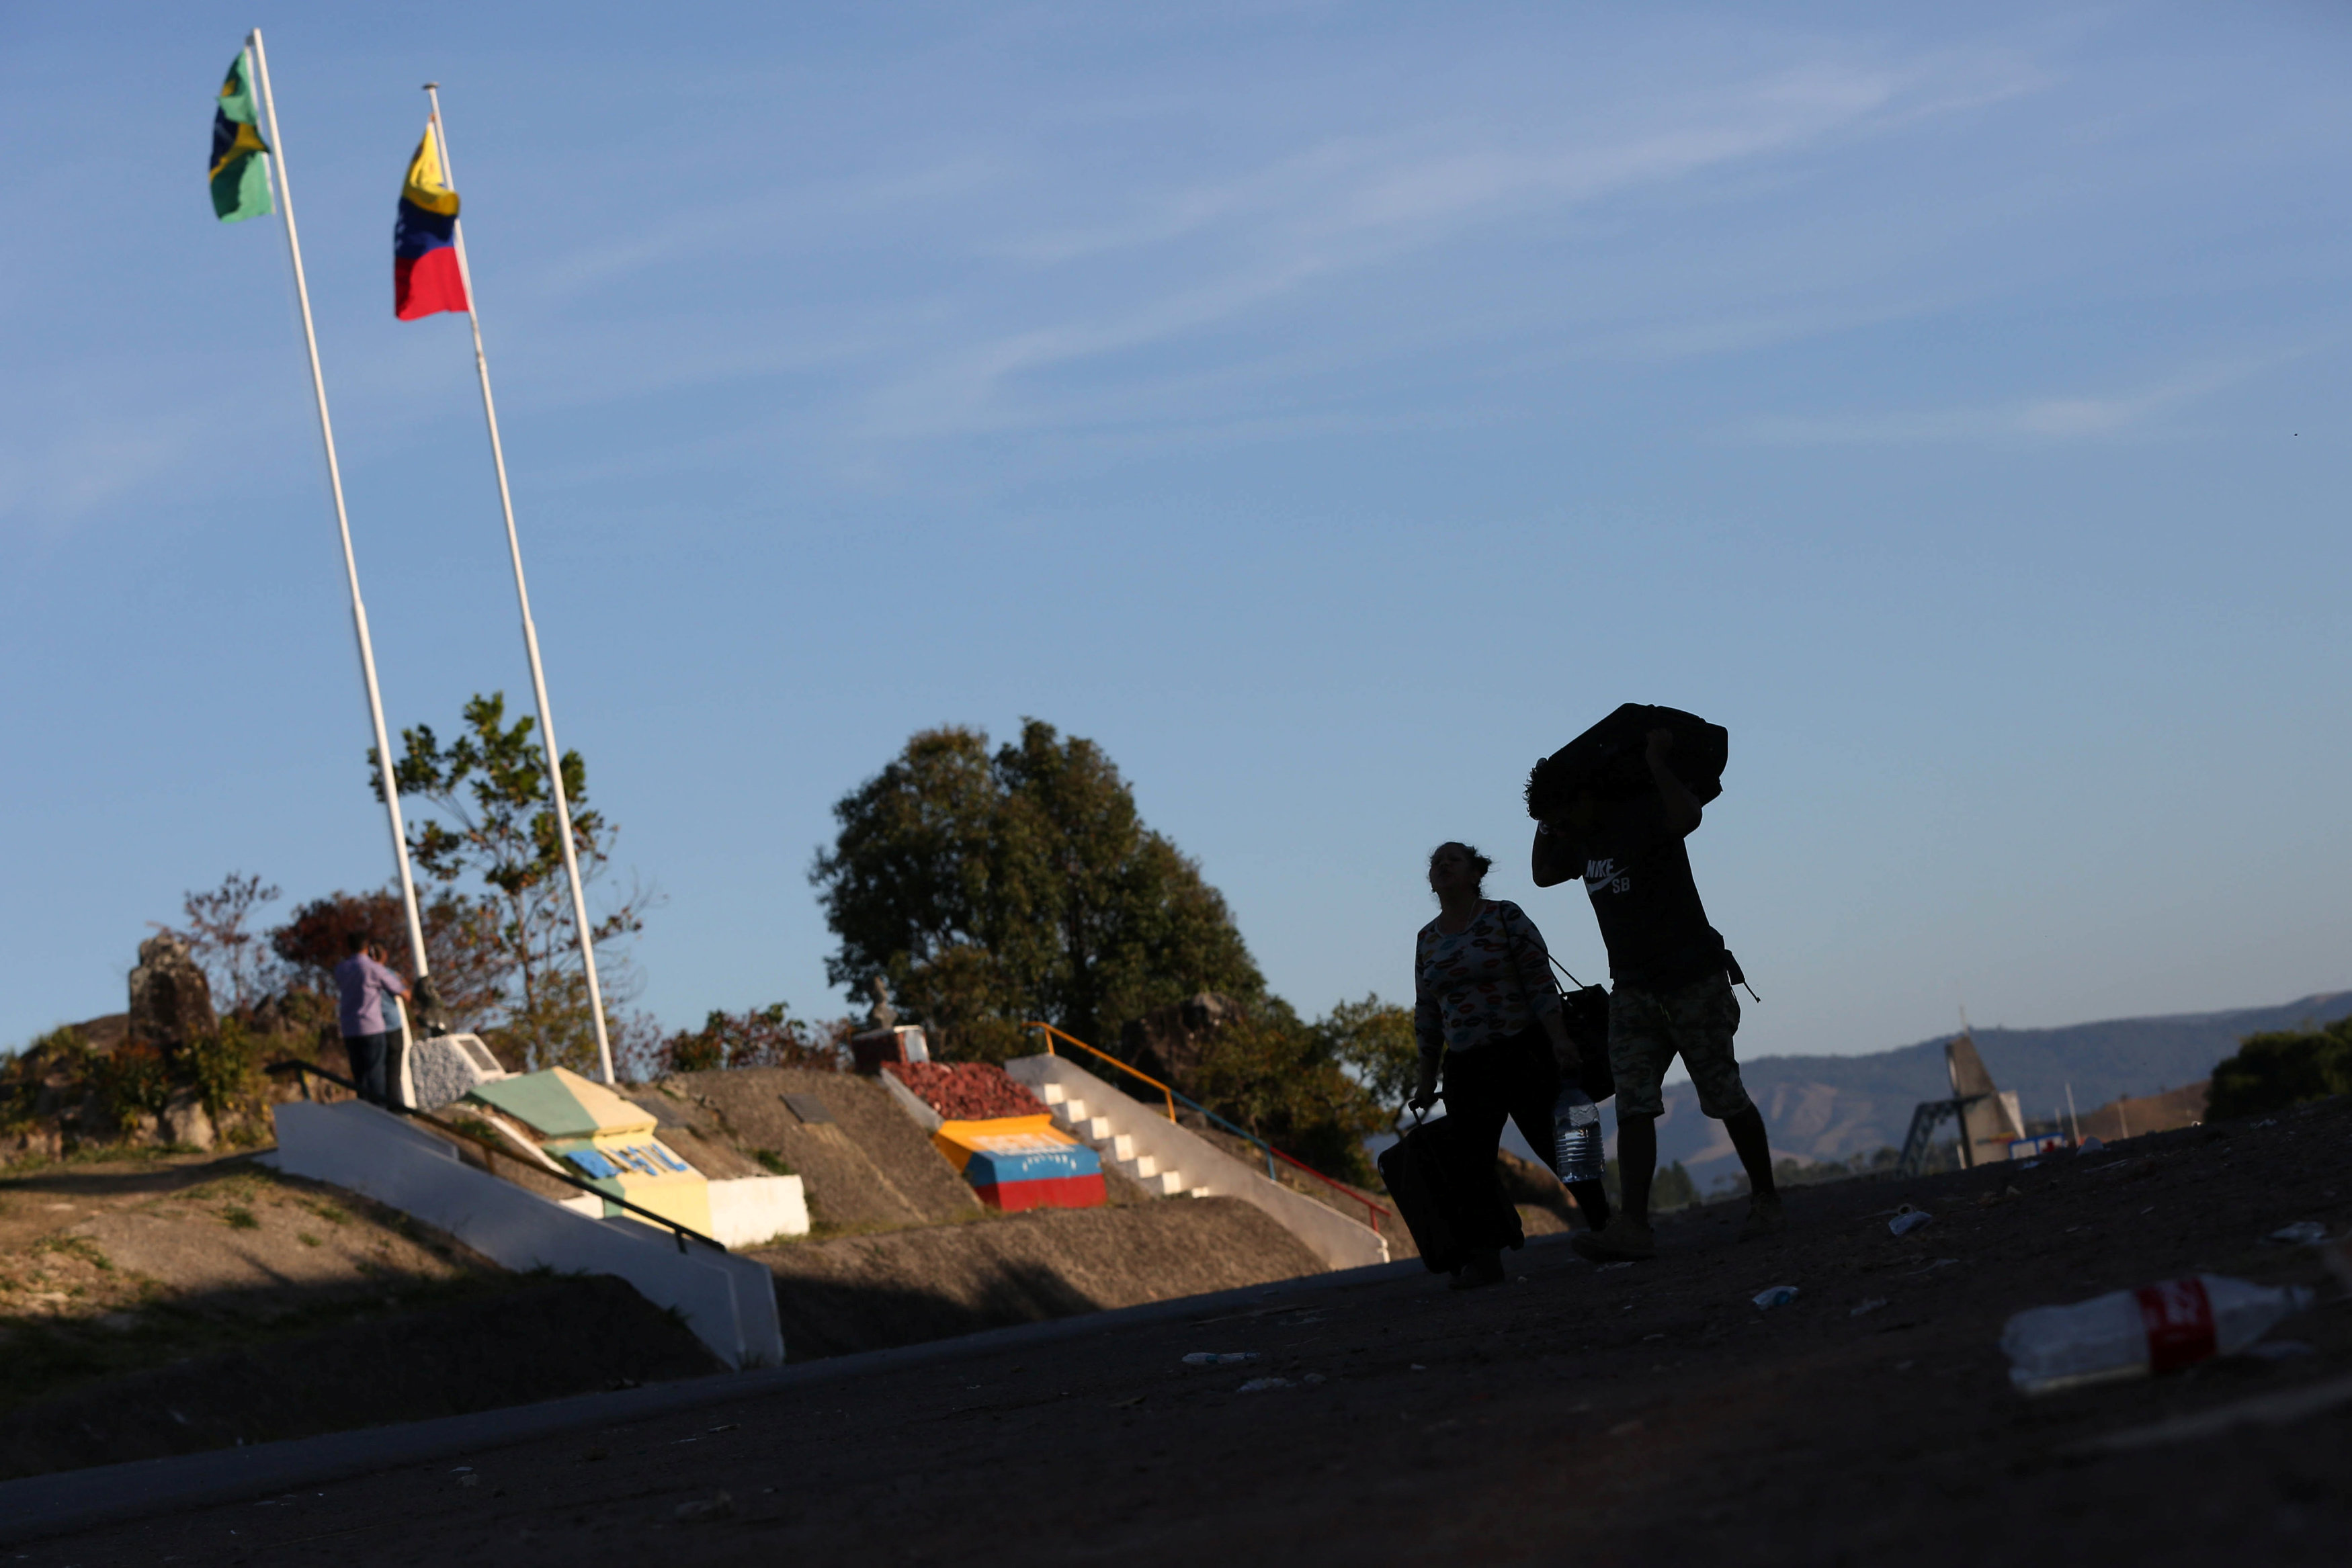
1100,1130
1171,1161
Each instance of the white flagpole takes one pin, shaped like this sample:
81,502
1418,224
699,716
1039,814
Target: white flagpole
530,631
342,520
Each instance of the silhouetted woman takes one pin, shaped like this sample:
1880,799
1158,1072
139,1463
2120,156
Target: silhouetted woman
1484,1006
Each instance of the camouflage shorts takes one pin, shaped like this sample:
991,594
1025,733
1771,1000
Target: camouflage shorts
1648,1030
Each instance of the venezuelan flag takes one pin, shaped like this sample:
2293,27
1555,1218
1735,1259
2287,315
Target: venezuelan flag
240,182
425,275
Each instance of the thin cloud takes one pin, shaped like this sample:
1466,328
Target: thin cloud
2077,417
1353,205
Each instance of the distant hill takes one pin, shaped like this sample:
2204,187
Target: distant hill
1832,1107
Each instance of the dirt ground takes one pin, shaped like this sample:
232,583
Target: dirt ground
1631,1415
541,1339
867,1292
154,1303
165,1304
127,1253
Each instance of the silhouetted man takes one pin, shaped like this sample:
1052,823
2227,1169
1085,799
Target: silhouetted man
1672,992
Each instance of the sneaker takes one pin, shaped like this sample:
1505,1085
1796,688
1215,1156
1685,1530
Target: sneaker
1764,1219
1483,1269
1622,1241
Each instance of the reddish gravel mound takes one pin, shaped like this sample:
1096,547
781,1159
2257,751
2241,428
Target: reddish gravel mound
966,1091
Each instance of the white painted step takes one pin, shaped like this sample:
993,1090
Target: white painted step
1117,1148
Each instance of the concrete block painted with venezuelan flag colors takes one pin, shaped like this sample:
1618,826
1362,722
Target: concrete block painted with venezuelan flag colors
1022,1162
605,1140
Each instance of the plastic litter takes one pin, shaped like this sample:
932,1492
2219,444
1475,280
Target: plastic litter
1908,1219
1260,1384
2302,1233
1872,1305
2282,1349
2133,1334
2090,1147
1777,1296
1220,1357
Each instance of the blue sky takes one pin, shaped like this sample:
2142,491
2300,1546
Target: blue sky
1327,408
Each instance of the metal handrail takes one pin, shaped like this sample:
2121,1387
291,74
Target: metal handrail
279,1069
1272,1153
1052,1033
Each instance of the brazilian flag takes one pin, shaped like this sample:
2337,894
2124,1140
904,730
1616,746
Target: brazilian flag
240,181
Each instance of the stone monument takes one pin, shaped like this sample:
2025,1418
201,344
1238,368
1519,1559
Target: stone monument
171,1001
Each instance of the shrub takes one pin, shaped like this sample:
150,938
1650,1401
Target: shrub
21,1076
223,1067
133,1080
759,1036
1670,1188
2272,1071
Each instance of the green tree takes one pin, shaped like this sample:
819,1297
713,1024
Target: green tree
491,784
1373,1040
2272,1071
1672,1189
987,890
1284,1081
1670,1186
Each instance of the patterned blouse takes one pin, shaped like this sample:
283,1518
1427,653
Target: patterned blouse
1468,992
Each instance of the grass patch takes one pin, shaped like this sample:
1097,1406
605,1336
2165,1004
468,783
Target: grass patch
91,1155
238,1218
773,1163
81,1247
306,1239
331,1213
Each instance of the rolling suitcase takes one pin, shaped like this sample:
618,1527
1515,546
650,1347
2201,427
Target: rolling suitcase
1418,1176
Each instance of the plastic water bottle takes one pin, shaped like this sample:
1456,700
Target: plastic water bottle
1575,1136
2132,1334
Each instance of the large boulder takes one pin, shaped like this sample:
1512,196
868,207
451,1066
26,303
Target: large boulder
186,1121
171,1001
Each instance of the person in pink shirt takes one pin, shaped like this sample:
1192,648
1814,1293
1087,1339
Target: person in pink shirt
371,1031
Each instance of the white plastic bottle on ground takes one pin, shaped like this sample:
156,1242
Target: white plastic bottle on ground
1575,1136
2131,1334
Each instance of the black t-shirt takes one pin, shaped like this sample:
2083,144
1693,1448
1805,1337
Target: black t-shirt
1638,876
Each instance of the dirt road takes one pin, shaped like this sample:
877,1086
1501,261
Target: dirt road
1634,1414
